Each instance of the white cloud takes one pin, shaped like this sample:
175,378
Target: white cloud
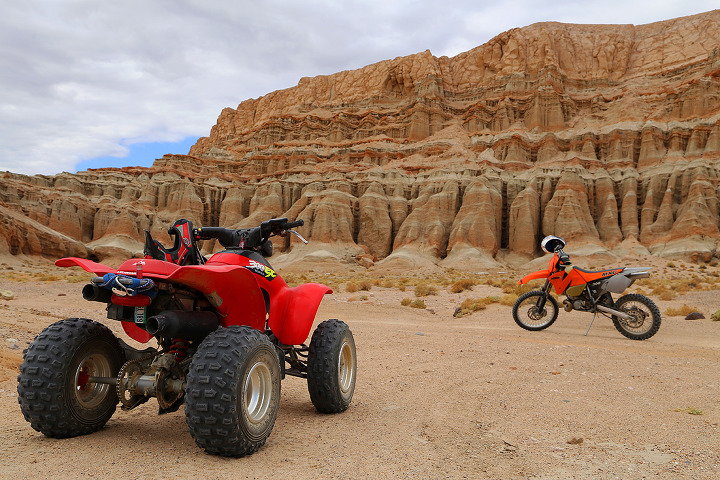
81,79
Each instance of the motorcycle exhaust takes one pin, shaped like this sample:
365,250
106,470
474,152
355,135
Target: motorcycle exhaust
180,324
94,293
612,311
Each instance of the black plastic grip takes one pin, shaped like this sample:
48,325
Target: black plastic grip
297,223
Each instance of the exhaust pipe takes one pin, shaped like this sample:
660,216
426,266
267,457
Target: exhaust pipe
612,311
181,324
94,293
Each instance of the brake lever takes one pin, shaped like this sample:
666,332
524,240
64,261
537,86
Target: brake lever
297,235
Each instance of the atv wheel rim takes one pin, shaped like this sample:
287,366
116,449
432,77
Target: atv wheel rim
346,367
258,392
90,395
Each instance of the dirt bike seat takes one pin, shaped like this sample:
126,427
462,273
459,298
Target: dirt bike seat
184,250
599,271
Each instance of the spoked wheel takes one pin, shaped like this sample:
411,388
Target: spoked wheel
332,367
233,391
645,317
56,391
535,310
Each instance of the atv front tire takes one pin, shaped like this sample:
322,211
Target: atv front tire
233,391
332,367
53,389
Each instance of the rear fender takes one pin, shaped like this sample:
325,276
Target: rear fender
619,282
292,311
87,265
534,276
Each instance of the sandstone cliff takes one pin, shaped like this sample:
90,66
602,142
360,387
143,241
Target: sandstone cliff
601,134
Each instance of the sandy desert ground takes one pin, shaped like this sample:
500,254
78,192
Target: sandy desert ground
436,397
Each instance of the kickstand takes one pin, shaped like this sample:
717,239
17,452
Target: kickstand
591,322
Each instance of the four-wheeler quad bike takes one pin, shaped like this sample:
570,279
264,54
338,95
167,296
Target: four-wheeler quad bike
228,330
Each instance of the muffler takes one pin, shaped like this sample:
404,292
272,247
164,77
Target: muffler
181,324
94,293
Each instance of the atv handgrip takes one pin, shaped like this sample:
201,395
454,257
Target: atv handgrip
298,223
225,236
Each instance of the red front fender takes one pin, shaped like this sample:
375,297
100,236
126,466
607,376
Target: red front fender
534,276
292,311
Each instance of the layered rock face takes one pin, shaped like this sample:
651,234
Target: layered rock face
605,135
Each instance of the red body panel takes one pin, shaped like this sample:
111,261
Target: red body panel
232,283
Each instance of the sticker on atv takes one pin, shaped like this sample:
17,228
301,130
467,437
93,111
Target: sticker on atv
262,270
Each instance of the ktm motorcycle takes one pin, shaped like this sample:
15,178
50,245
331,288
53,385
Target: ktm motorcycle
228,330
635,316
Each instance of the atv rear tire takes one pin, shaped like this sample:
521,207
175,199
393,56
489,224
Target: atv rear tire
233,391
332,367
53,391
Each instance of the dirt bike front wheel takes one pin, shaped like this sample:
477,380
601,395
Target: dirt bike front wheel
645,317
535,310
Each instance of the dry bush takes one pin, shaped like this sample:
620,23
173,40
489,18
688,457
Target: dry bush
352,287
365,285
476,304
405,302
508,299
681,311
462,285
418,304
424,290
667,295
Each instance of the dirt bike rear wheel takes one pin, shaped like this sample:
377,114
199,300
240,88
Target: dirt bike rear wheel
53,389
526,313
332,367
646,316
233,391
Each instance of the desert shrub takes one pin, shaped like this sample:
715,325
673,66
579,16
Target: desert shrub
667,295
405,302
365,285
470,305
418,303
680,312
424,290
462,285
508,299
352,287
715,317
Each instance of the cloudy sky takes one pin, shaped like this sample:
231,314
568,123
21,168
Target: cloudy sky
93,83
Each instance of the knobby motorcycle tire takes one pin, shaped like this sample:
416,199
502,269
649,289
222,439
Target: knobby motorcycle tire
655,316
550,302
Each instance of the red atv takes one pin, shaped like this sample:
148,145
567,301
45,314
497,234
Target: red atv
228,330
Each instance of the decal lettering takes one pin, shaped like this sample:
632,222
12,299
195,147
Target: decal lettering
262,270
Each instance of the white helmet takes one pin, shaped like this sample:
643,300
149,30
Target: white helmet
551,244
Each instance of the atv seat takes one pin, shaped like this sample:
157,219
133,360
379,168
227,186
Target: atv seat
184,250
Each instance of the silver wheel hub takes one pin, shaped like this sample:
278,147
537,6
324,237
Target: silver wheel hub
346,367
258,392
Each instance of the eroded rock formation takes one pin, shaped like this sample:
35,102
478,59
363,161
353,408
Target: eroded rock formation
597,133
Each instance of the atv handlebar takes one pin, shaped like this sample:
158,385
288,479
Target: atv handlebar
248,238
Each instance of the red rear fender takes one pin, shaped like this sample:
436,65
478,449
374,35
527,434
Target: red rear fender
87,265
292,311
534,276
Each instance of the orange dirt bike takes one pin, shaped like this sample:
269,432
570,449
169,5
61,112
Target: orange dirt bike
635,316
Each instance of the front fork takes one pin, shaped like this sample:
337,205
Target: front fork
542,299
